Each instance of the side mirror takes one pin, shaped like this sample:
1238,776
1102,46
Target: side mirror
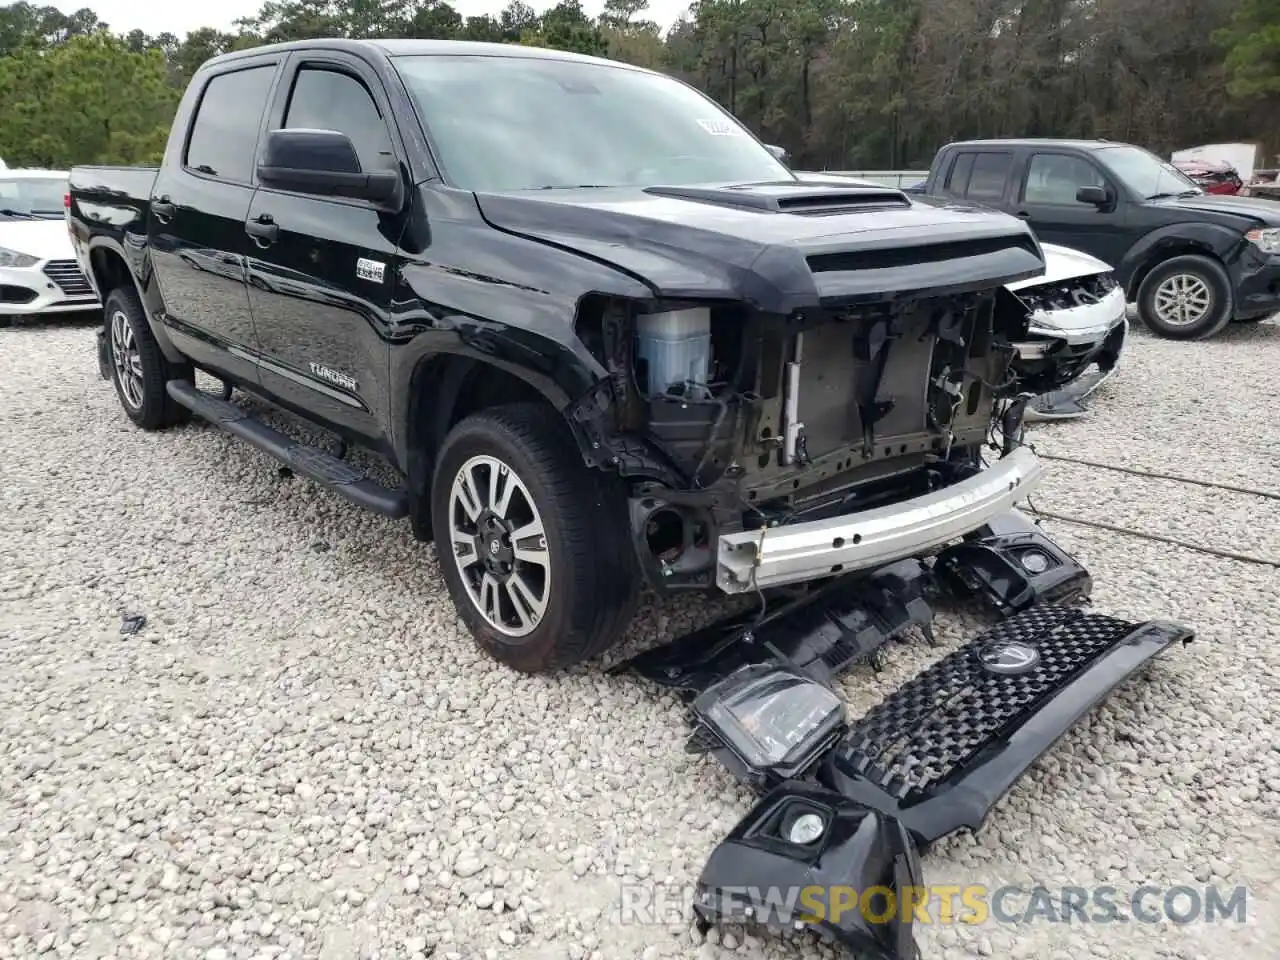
1097,196
778,152
324,162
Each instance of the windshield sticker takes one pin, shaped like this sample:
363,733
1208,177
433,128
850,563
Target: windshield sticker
720,128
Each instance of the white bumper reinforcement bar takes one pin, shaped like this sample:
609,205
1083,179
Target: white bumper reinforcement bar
775,556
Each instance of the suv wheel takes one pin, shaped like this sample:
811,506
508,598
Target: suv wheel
532,543
1186,298
138,369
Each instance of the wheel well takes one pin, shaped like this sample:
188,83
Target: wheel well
1161,253
109,271
445,390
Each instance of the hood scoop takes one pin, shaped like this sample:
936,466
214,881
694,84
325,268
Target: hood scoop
789,197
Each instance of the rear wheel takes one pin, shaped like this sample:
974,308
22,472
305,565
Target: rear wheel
1186,298
138,369
532,543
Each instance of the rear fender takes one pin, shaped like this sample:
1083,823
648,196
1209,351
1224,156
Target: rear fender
113,268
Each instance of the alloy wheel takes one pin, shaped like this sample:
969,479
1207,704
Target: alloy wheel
1182,300
500,546
127,360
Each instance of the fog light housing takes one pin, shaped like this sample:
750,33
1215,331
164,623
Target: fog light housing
805,829
1033,561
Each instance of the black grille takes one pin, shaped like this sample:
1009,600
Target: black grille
932,726
66,274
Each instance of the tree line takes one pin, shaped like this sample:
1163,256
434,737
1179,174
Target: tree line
841,84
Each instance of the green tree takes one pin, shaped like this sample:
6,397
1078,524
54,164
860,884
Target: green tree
1253,49
87,100
566,27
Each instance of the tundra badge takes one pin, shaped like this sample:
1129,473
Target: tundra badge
370,270
333,376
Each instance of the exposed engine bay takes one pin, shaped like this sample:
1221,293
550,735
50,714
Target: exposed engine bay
764,422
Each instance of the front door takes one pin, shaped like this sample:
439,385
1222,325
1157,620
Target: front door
196,230
1048,202
321,273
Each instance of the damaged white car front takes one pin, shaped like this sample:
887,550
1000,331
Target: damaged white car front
1077,332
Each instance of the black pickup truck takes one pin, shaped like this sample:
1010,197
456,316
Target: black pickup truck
596,325
1191,261
605,336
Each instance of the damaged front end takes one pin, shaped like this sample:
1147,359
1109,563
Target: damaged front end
831,421
848,805
1077,331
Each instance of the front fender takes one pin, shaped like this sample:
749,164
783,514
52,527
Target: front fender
1213,239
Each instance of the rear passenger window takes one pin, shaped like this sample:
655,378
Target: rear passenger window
990,171
224,137
958,181
330,100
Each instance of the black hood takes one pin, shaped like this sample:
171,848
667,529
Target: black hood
781,246
1250,209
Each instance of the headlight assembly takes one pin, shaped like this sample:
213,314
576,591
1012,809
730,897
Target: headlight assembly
12,258
1268,240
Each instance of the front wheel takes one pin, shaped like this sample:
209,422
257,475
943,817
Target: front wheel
1186,298
532,543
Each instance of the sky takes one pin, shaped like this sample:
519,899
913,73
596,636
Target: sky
181,18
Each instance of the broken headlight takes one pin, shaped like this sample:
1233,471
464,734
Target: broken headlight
767,722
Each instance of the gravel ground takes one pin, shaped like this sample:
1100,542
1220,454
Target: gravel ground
301,753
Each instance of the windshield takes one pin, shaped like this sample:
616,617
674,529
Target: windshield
1144,173
38,196
524,123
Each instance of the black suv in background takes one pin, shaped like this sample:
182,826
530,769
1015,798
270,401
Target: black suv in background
1192,261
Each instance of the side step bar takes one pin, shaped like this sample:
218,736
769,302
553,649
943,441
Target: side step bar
306,460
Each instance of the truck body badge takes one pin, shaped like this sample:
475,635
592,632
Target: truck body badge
334,376
370,270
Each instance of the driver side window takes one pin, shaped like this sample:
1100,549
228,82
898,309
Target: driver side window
324,99
1055,178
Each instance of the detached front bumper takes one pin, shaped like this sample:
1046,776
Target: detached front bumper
776,556
50,286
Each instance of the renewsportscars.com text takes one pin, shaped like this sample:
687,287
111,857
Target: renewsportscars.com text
947,904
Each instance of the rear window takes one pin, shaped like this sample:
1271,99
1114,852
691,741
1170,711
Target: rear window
224,136
987,179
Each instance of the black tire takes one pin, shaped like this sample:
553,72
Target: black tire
592,578
1194,270
145,400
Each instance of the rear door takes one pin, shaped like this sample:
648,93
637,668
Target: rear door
979,176
199,202
1047,200
321,290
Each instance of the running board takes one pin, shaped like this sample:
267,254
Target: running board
299,457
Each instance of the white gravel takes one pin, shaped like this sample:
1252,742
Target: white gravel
301,754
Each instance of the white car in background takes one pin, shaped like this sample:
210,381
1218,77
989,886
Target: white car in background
1077,328
39,274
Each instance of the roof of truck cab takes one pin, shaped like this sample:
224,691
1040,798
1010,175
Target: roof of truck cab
1038,142
411,47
